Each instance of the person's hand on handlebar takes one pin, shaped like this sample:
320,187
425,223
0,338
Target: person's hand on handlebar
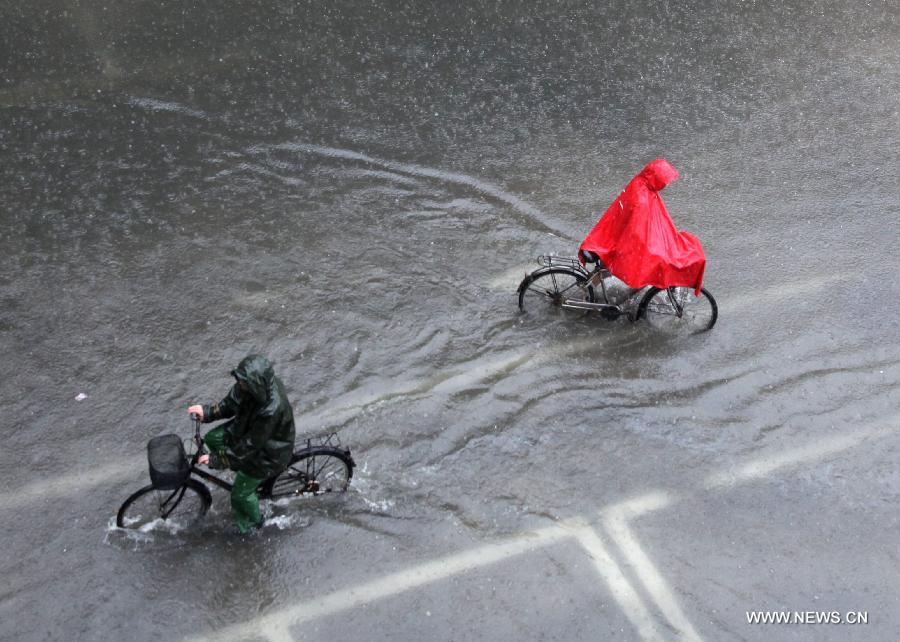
196,412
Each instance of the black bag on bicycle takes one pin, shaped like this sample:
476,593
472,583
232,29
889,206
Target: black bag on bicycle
169,466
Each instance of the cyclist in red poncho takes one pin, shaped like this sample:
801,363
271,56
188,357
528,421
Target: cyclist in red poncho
637,240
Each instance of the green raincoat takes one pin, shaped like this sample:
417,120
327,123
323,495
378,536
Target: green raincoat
259,439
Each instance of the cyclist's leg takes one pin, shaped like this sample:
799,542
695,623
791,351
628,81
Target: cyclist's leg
214,441
245,502
215,438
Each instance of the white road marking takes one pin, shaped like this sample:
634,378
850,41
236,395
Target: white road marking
615,523
73,483
622,591
767,464
275,625
781,292
456,379
615,519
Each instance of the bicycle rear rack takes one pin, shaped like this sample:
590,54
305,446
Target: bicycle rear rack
331,439
548,260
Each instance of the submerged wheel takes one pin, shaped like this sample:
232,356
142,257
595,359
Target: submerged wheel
547,289
181,507
320,469
660,308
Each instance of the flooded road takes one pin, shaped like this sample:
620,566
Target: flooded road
356,190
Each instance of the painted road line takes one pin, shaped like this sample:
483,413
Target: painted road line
622,591
781,292
615,522
275,625
766,465
66,485
615,519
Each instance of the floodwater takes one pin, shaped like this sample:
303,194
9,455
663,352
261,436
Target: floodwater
355,190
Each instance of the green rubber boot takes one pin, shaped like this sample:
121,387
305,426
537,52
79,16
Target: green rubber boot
245,503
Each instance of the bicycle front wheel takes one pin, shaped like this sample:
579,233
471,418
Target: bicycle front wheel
180,507
546,290
677,310
320,469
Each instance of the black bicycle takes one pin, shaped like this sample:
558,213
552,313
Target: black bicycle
565,283
175,494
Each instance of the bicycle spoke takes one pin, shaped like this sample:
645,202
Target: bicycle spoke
328,462
178,507
575,290
290,477
317,472
678,310
553,287
180,493
321,472
330,472
661,308
542,291
547,292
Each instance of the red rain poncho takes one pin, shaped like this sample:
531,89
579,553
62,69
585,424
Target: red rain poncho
637,239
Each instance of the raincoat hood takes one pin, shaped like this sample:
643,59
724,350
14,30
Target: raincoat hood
256,371
658,174
258,439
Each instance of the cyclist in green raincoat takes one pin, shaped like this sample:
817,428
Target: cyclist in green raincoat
257,442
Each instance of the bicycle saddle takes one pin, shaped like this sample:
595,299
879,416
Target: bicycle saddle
589,257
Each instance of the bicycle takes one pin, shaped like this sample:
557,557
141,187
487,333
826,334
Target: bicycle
176,494
565,283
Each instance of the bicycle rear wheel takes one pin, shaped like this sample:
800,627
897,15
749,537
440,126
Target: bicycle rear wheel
180,507
316,470
661,309
546,290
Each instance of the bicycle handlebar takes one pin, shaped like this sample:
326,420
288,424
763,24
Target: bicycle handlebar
197,438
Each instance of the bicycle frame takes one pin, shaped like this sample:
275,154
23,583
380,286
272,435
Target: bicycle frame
218,481
594,277
678,305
